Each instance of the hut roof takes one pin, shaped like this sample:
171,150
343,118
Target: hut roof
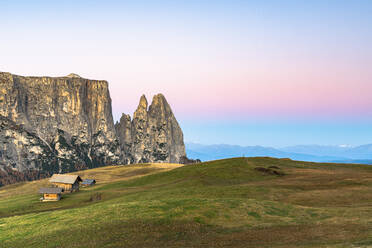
88,181
62,178
50,190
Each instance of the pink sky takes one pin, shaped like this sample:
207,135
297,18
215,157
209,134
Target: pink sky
245,61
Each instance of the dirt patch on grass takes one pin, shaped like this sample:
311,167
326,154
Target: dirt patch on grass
95,197
272,170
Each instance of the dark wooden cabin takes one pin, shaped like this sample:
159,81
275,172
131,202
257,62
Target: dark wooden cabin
68,183
50,194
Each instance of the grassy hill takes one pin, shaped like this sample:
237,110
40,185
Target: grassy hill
240,202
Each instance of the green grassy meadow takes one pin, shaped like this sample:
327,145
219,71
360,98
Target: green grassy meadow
224,203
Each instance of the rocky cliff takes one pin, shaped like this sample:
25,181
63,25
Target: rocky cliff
55,124
153,135
60,124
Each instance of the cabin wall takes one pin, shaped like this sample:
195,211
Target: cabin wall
62,185
75,186
52,197
68,187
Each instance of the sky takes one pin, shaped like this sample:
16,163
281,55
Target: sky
272,73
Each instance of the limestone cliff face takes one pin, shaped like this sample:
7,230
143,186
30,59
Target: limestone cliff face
124,132
61,124
153,135
56,124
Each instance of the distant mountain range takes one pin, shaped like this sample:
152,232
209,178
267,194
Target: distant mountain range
315,153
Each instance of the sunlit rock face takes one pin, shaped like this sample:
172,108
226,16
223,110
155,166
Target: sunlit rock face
61,124
56,124
153,135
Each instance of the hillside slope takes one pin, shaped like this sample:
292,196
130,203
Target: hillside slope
241,202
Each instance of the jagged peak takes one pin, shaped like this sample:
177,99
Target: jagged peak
159,101
125,117
143,103
73,75
142,108
158,98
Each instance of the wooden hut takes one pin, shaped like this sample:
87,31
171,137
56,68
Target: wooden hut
68,183
50,194
88,182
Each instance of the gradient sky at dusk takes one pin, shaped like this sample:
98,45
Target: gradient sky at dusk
271,73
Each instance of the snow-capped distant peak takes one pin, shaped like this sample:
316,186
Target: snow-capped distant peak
345,146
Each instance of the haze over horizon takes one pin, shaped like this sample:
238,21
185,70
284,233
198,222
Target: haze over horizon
235,72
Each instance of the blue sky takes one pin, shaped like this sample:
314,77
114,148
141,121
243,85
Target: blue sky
271,73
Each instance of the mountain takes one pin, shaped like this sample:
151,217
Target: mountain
55,124
353,161
61,124
316,149
362,152
213,152
153,135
